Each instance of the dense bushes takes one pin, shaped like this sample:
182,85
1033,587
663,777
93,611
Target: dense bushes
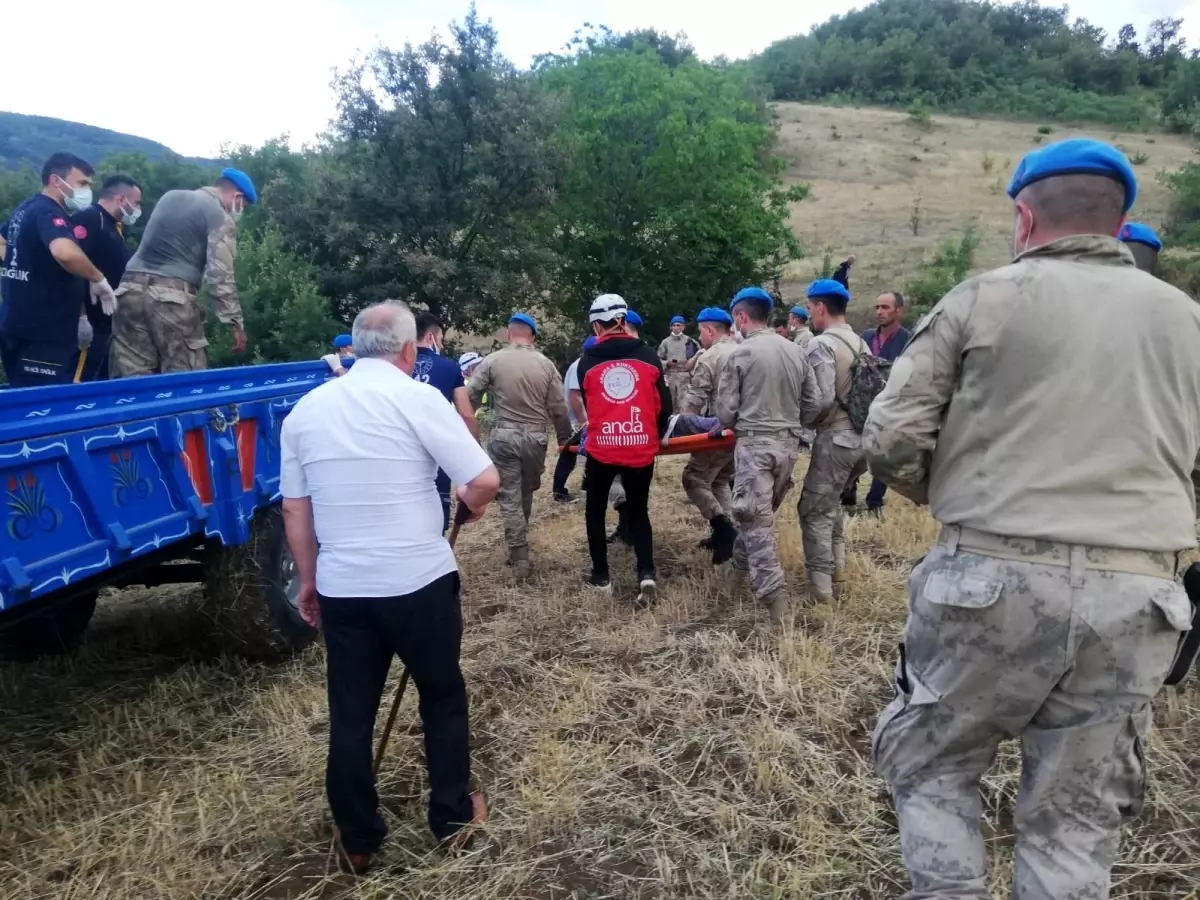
984,58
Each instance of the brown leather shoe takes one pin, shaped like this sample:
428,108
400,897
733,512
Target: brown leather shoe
351,863
460,841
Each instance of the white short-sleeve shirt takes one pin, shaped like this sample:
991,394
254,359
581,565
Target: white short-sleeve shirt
365,448
571,383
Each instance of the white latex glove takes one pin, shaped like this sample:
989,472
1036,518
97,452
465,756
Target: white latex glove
85,333
101,292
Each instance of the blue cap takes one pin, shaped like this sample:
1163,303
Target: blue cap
342,340
632,318
714,314
677,320
524,319
590,342
827,287
242,182
752,293
800,312
1137,233
1077,156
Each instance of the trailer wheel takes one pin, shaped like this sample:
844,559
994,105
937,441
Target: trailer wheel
250,592
56,629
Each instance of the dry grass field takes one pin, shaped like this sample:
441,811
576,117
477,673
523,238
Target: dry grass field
678,752
870,168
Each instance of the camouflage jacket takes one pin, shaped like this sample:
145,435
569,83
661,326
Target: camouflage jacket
1020,410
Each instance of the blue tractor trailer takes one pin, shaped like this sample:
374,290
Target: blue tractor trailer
148,481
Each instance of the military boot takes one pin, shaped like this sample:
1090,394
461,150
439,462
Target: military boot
520,562
779,607
820,587
839,567
724,536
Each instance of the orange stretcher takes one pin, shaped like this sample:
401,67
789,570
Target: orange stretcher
693,443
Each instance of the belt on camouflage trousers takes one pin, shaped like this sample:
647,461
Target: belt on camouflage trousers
145,278
1052,553
778,434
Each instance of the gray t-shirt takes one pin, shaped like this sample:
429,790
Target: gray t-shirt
175,244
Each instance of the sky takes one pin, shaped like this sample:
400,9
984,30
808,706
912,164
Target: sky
243,71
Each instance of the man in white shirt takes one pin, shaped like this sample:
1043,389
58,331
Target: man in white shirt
574,397
359,455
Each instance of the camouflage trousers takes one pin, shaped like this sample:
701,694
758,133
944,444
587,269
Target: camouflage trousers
837,459
708,483
520,458
1063,657
763,468
156,329
678,381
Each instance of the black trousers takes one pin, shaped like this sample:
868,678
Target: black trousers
598,478
563,469
32,364
362,634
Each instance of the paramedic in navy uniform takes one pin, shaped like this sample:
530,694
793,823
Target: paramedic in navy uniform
42,321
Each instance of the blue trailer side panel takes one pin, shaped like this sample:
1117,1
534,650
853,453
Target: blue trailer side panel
96,475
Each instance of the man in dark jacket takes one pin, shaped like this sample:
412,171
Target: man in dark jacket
628,407
887,342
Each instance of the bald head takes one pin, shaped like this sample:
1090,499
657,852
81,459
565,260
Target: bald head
1067,205
386,331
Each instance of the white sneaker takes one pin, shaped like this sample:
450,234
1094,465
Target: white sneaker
647,591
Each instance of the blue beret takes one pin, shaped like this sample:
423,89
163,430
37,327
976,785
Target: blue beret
714,314
752,293
590,342
1137,233
242,182
800,312
632,318
342,340
827,287
1077,156
677,320
524,320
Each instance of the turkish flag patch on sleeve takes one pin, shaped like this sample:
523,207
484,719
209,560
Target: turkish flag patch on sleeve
80,232
60,222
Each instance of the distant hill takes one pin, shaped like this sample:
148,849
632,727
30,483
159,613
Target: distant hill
28,140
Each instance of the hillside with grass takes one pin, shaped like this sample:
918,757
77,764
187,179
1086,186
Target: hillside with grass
891,187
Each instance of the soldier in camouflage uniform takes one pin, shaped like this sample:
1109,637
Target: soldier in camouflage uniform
767,393
191,236
837,457
676,350
525,388
1143,243
1048,611
708,477
798,326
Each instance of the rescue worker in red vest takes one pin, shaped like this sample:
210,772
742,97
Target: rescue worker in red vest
628,407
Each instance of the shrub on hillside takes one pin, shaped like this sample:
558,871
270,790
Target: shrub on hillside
948,266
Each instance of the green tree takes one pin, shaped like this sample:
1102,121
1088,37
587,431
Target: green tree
671,196
439,161
287,318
